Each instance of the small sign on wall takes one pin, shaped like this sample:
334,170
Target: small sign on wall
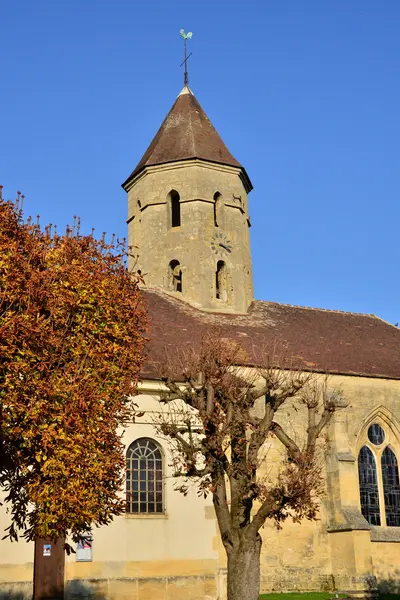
46,549
84,550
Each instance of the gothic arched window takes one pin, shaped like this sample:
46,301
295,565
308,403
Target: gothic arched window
144,477
391,487
174,208
378,474
369,494
175,276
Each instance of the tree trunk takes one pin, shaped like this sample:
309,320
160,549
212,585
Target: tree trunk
48,570
244,569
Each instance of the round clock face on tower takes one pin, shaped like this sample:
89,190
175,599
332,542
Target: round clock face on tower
220,244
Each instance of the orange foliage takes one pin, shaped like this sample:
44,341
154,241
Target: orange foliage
72,338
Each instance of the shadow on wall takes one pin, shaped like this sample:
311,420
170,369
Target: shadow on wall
386,588
389,587
75,590
85,590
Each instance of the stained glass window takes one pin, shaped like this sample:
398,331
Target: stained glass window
144,477
369,495
391,487
376,435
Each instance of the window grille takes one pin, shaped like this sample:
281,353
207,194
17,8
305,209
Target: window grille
391,487
144,477
369,495
378,473
376,435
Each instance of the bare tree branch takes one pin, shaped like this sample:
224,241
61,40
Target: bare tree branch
222,443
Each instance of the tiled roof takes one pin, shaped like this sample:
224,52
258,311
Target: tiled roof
309,338
186,133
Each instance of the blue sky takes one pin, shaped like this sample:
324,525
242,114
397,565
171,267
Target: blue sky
305,94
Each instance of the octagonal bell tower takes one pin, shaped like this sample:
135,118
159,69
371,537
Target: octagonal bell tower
188,213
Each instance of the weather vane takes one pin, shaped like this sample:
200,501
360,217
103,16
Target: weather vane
186,36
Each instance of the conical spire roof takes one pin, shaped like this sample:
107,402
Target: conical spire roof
186,133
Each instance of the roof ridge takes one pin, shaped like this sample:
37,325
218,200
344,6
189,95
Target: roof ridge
334,310
387,322
180,300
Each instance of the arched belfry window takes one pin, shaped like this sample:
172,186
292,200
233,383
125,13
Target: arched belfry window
175,276
174,208
218,209
138,221
379,482
221,281
144,477
369,494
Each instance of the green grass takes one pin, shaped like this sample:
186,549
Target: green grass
317,596
301,596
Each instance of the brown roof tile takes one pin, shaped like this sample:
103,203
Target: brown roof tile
186,133
314,339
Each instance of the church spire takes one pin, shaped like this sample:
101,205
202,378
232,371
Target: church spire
187,133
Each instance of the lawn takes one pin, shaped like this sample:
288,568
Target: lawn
301,596
318,596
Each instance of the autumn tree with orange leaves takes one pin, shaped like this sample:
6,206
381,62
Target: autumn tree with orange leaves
72,338
220,417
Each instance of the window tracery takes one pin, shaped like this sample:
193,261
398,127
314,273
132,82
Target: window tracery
379,481
144,477
369,494
391,487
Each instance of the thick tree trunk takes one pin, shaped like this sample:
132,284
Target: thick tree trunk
244,569
48,575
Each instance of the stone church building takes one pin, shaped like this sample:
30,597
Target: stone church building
188,217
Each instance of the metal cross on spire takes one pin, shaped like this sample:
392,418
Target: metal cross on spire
186,36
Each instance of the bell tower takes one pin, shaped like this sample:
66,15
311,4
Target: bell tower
188,213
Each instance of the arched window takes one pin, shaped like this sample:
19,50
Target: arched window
220,281
369,495
174,207
391,487
218,209
175,276
137,220
144,477
378,474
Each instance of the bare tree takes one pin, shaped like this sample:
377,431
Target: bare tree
219,420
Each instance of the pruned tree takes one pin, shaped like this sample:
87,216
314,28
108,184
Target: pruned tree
72,338
219,417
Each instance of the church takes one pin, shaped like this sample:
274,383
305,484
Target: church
188,219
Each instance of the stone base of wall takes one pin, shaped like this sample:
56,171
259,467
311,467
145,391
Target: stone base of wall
19,590
296,580
155,588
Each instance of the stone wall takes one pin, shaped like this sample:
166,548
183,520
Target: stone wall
142,557
193,244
